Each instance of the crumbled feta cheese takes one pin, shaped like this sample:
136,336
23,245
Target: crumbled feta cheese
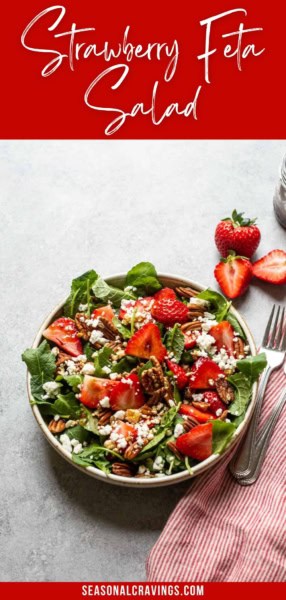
198,397
80,358
218,412
65,442
92,323
82,307
211,382
57,417
70,423
205,341
55,351
97,336
121,442
74,442
52,389
106,370
105,403
114,436
119,414
199,302
130,288
179,429
70,367
113,376
78,448
158,464
142,470
88,369
224,361
105,430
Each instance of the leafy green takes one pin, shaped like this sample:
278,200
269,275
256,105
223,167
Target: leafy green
105,292
41,365
95,455
236,325
73,381
252,366
147,365
127,363
166,422
222,434
132,324
88,350
144,278
67,406
177,395
218,302
89,422
242,392
124,331
80,293
153,443
101,360
77,433
175,341
169,417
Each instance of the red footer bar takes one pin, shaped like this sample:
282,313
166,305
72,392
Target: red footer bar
76,591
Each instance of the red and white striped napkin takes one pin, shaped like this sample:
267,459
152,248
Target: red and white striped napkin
221,531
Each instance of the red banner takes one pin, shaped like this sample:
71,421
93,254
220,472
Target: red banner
77,591
195,69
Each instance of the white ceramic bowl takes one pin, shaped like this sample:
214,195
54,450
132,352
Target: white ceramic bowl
169,281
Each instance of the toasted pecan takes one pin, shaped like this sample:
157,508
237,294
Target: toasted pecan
203,406
172,446
238,348
104,416
122,469
190,423
224,390
186,292
56,426
153,379
191,326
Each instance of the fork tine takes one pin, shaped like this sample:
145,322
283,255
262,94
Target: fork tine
273,336
281,329
268,327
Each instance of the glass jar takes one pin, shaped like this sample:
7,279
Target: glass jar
279,200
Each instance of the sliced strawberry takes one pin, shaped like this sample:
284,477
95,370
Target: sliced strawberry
127,430
127,394
190,339
216,404
223,334
103,311
64,333
272,267
146,342
141,306
165,293
199,415
204,373
180,374
95,389
197,443
233,275
169,312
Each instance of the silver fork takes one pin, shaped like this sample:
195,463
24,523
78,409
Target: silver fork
274,346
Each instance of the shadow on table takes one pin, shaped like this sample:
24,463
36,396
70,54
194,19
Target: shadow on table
126,507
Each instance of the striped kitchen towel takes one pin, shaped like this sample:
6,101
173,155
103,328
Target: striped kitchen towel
221,531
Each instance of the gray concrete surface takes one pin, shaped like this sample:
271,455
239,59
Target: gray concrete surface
67,207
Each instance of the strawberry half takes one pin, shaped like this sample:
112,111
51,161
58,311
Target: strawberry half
127,394
169,311
165,293
146,342
180,374
233,275
95,389
199,415
213,399
141,306
237,233
272,267
223,334
204,373
127,430
103,311
197,443
64,333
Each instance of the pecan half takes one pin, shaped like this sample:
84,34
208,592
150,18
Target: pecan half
223,415
196,312
238,346
107,328
104,416
190,423
122,469
132,451
83,329
224,390
203,406
172,446
191,326
186,292
62,357
153,379
56,426
147,410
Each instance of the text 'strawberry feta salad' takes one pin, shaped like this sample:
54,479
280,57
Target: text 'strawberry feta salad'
144,381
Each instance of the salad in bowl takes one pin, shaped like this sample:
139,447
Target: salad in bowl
143,379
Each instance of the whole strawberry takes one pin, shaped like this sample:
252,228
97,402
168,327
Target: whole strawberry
237,233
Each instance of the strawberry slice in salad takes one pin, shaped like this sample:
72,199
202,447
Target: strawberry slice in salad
103,311
63,333
197,443
94,389
204,373
146,342
223,334
127,393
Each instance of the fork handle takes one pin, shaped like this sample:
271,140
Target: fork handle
263,442
240,465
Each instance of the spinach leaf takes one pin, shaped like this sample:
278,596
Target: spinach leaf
124,331
177,395
73,381
88,350
101,360
77,433
222,434
41,365
67,406
169,417
80,293
218,302
95,455
105,292
243,387
252,366
127,363
89,422
153,443
144,278
236,325
175,342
